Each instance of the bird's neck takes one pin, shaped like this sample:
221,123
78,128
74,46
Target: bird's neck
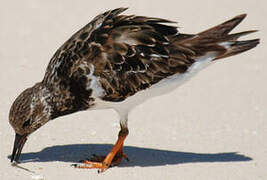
40,105
60,102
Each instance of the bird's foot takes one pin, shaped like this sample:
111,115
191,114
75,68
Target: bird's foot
101,163
113,158
115,161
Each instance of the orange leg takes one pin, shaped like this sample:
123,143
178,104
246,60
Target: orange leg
113,158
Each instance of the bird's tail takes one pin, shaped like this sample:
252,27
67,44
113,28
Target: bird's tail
218,39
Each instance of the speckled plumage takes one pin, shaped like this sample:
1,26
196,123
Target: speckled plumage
113,59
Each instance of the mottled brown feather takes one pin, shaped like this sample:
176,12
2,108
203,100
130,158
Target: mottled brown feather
131,53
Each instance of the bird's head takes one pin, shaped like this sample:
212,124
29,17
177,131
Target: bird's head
28,113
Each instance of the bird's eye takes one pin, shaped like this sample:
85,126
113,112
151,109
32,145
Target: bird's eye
26,123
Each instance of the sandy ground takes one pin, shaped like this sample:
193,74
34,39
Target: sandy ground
213,127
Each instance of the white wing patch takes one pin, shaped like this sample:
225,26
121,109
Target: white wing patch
94,84
226,44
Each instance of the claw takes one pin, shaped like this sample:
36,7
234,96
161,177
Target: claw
74,165
125,157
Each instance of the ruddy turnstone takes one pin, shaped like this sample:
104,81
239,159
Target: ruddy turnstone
119,61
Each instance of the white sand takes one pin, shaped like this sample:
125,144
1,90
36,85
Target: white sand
213,127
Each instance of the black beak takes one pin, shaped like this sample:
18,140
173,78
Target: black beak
18,145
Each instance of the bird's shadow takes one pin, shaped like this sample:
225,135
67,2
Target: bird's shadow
138,156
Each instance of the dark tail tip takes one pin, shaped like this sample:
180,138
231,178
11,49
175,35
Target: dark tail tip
236,20
241,16
224,28
248,42
241,46
238,47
